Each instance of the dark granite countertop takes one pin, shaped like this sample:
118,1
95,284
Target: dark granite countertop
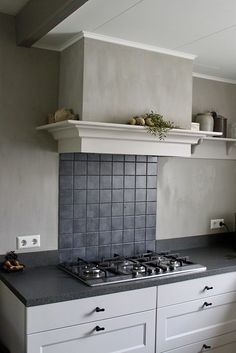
47,284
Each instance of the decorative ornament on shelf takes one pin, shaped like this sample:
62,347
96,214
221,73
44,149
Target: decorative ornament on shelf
61,115
154,123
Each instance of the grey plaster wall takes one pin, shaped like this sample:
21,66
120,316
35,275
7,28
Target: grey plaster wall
28,159
119,82
214,95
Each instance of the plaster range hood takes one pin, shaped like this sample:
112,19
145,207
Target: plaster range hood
95,137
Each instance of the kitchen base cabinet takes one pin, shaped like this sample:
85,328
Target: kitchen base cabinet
220,344
132,333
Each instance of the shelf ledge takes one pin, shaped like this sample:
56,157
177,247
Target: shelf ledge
95,137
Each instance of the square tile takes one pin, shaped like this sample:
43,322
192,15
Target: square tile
128,235
151,245
81,156
65,241
92,239
130,168
139,247
150,233
128,209
117,181
152,182
117,195
104,251
128,249
66,211
117,209
79,240
79,196
152,169
141,158
140,234
140,222
118,168
129,158
92,253
66,197
105,224
140,181
117,223
65,182
129,182
106,157
105,210
93,168
65,255
92,196
105,196
79,225
140,208
128,222
140,194
118,158
66,156
104,238
105,168
152,159
93,210
129,195
80,182
117,236
66,168
105,182
79,211
78,253
151,195
151,208
141,169
92,224
150,221
66,226
117,249
80,168
93,182
93,157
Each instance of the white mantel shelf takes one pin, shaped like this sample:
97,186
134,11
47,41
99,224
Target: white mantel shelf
94,137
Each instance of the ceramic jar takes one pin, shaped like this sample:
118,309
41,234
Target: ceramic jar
206,121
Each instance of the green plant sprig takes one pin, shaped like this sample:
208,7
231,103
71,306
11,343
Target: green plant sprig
160,126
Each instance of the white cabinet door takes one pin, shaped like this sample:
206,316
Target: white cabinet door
186,323
221,344
133,333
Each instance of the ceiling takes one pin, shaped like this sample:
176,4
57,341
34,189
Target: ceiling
206,28
12,7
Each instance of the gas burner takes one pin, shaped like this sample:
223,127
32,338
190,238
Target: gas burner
120,269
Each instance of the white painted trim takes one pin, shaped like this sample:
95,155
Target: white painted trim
119,41
214,78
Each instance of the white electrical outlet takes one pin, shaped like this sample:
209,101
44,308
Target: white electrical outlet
28,241
215,223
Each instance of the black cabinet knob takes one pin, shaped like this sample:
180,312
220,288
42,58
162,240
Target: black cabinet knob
208,288
207,304
99,309
205,346
98,328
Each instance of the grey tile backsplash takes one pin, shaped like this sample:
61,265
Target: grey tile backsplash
107,205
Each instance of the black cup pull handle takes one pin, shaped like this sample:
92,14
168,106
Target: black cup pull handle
98,310
208,288
205,346
207,304
98,328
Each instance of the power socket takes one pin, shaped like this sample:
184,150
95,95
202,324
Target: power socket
28,241
215,223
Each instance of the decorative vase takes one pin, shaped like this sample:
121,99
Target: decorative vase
206,121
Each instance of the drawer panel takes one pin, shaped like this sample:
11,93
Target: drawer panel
73,312
180,292
190,322
220,344
131,333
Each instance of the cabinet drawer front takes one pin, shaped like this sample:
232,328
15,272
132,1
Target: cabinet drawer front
180,292
185,323
132,333
221,344
74,312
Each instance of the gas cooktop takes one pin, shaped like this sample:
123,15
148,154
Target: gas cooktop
121,269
